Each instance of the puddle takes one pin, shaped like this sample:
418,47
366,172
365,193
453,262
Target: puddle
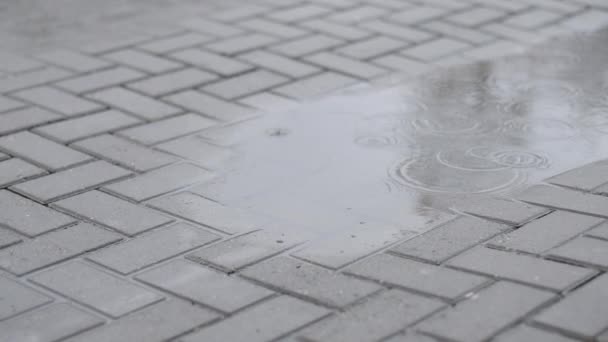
402,155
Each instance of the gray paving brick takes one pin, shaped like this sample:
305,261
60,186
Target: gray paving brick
240,12
417,14
48,324
210,106
54,247
58,100
306,45
588,21
16,170
268,101
358,14
501,210
17,298
586,178
28,217
82,127
73,60
280,64
532,19
409,34
132,102
519,35
244,250
600,231
79,179
583,312
220,291
7,104
410,337
206,212
496,49
245,84
583,250
25,118
564,199
273,28
346,65
100,290
15,63
448,239
316,85
527,333
312,282
99,80
199,150
265,322
172,82
435,49
170,318
112,212
41,151
32,78
402,64
298,13
242,43
372,47
151,248
546,232
212,28
213,62
181,41
377,317
417,276
391,4
476,16
166,129
7,238
142,61
337,30
486,313
125,153
474,36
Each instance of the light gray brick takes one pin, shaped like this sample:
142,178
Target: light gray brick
587,21
527,333
372,47
213,62
298,13
212,28
265,322
48,324
312,282
25,118
586,177
501,210
172,82
41,151
58,101
99,80
410,337
17,298
474,36
346,65
73,60
306,45
358,14
206,212
273,28
519,35
197,149
435,49
82,127
280,64
167,129
246,84
476,16
7,238
498,48
220,291
142,61
337,30
156,323
564,199
181,41
16,170
242,43
546,232
71,181
210,106
402,64
132,102
32,78
125,153
402,32
583,312
532,19
417,14
583,250
239,12
417,276
375,318
486,313
152,247
27,217
112,212
54,247
316,85
600,232
449,239
16,63
268,101
7,104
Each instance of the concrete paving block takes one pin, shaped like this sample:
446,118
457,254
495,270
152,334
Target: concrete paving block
583,250
564,199
21,119
142,106
16,170
58,101
501,210
167,129
172,82
17,298
99,80
215,63
142,61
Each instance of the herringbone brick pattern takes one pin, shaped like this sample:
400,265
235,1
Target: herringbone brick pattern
101,239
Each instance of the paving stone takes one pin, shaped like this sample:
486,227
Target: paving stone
312,282
68,182
213,62
583,312
99,80
32,78
521,268
28,217
17,298
372,47
435,49
240,12
73,60
212,28
586,178
48,324
142,61
316,85
41,151
588,21
486,313
346,65
181,41
209,106
14,63
156,323
417,276
242,43
306,45
474,36
358,14
151,248
7,104
337,30
402,64
244,250
546,232
448,239
58,101
496,49
172,82
85,126
417,14
245,84
54,247
100,290
527,333
600,232
301,12
220,291
564,199
264,322
408,34
376,317
16,170
206,212
125,153
476,16
273,28
7,238
532,19
132,102
280,64
197,149
167,129
25,118
583,250
112,212
501,210
519,35
267,101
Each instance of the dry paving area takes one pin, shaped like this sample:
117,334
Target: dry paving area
105,236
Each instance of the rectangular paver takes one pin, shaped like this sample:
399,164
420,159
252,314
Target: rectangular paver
583,250
172,82
346,65
315,85
306,45
167,129
213,62
372,47
32,78
234,45
199,150
73,60
210,106
58,101
142,61
7,104
20,119
435,49
501,210
16,170
177,42
571,200
132,102
17,298
280,64
273,28
587,177
246,84
99,80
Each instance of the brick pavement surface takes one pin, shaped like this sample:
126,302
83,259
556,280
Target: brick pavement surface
101,241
